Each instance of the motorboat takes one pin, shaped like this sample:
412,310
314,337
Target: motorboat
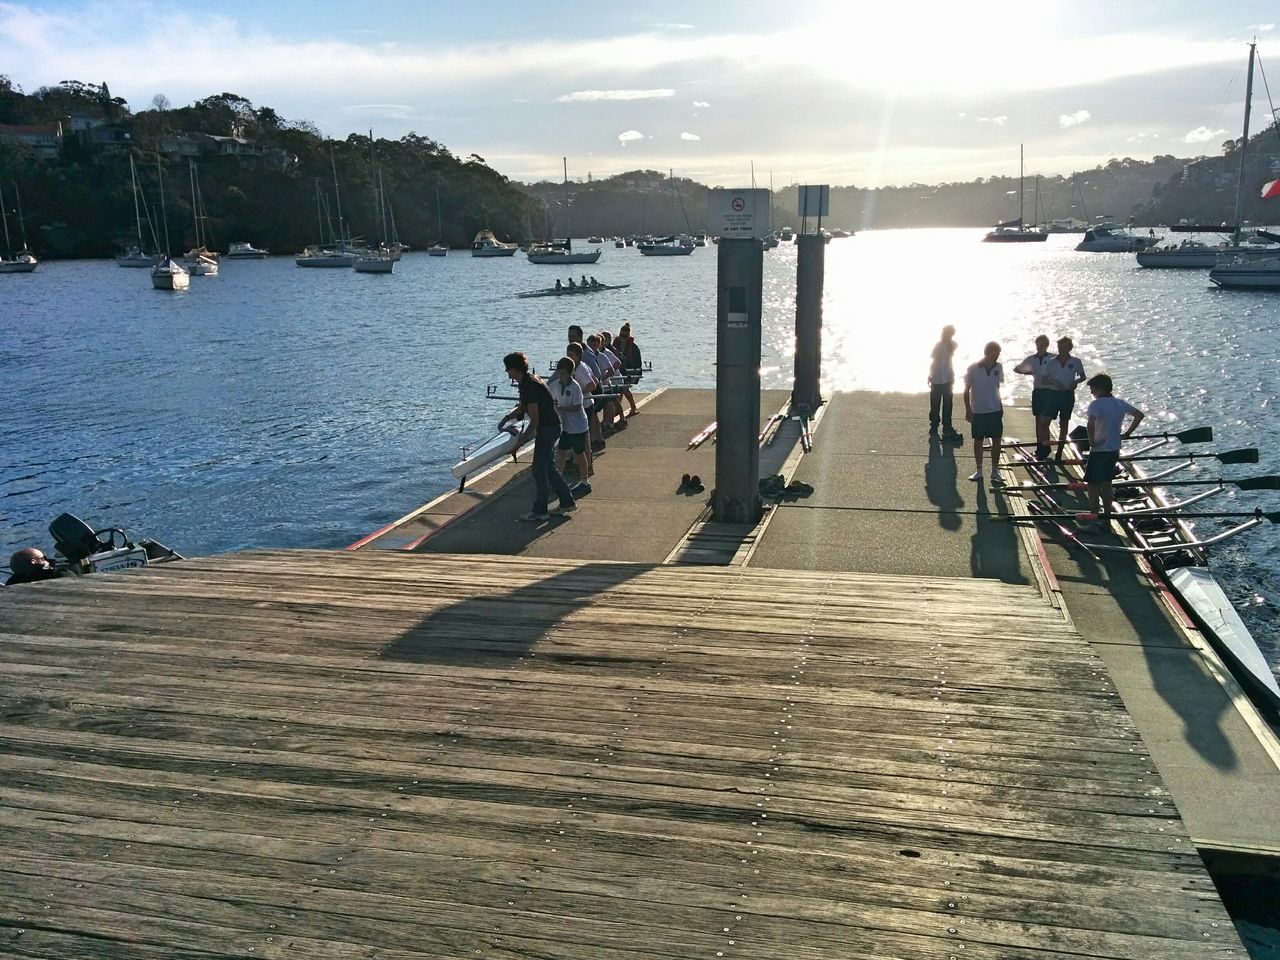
1247,273
168,274
561,251
1113,238
245,251
680,246
486,244
437,250
595,239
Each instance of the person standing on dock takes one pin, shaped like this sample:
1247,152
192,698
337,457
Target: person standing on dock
1034,367
627,348
573,424
984,410
591,360
1062,374
537,405
1106,433
942,378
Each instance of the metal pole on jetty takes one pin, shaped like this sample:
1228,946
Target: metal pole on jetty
739,286
806,392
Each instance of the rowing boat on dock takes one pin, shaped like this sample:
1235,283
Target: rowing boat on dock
1157,531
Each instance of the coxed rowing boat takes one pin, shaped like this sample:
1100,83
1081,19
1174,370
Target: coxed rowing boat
571,291
1157,533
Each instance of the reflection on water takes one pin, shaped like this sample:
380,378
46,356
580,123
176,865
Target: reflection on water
273,406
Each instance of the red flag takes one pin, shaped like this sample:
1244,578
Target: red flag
1271,189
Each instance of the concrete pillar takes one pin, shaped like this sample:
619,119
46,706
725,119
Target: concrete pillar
739,282
806,393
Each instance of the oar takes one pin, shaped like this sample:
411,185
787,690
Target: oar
1246,455
1258,514
1271,482
1194,435
702,435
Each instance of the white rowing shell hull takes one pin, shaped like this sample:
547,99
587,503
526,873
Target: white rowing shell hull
1200,590
495,448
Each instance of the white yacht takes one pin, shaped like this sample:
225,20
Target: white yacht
486,244
1248,273
135,257
1113,238
245,251
325,257
680,246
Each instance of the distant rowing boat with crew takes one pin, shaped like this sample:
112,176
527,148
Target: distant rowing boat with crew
577,288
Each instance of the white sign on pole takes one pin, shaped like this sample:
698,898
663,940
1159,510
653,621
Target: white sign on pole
738,214
813,200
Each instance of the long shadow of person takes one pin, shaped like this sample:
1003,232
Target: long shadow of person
500,624
940,484
994,550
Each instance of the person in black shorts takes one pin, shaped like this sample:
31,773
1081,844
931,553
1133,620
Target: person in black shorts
537,404
1034,367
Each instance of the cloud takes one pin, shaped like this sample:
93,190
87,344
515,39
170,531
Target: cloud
674,26
1203,135
1263,27
999,121
628,136
391,111
689,136
594,96
701,103
1074,119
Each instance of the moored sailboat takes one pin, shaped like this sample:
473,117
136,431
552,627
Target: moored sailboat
1015,231
24,261
201,261
168,274
135,255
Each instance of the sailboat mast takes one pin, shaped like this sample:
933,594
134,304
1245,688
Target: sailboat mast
439,216
568,229
137,211
337,199
164,213
5,217
1244,141
22,223
319,214
195,210
1019,185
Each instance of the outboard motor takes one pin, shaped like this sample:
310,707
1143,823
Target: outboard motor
97,551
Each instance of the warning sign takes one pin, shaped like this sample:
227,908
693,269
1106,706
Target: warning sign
739,214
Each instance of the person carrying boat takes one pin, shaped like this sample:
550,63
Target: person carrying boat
983,409
30,565
589,383
573,423
537,405
632,362
624,389
941,380
1034,367
1061,375
1107,432
590,358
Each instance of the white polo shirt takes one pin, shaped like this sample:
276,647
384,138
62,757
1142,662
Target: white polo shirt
1035,365
569,395
983,385
1057,375
1109,412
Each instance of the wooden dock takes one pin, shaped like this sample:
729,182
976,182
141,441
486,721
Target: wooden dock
358,755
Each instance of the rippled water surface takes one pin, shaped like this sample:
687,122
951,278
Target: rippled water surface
273,406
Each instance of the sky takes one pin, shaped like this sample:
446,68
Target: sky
811,91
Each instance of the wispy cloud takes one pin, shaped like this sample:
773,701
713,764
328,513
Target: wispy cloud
674,26
701,104
999,121
593,96
1262,27
393,111
1203,135
1074,119
629,136
689,136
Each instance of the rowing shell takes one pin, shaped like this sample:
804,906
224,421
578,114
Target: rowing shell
571,291
496,447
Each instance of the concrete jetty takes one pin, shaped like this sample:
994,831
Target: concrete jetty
877,724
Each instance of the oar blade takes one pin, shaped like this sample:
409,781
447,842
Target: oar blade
1258,483
1195,435
1274,516
1249,455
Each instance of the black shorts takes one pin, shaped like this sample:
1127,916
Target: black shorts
987,425
577,442
1101,466
1054,404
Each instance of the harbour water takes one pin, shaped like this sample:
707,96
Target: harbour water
273,406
